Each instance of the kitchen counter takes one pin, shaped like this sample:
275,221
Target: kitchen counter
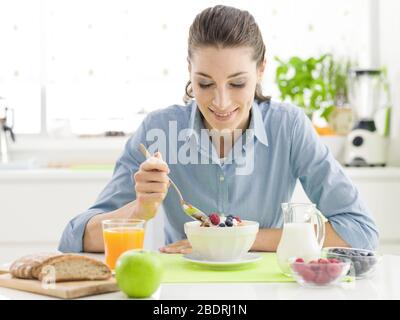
105,172
385,284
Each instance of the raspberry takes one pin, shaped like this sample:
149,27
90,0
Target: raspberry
314,265
333,260
299,265
214,218
308,275
237,219
322,278
323,261
323,264
334,270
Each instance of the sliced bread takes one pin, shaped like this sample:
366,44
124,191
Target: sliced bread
59,267
70,267
23,267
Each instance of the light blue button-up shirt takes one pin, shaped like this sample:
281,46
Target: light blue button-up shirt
283,147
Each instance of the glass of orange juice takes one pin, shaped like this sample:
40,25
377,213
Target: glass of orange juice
121,235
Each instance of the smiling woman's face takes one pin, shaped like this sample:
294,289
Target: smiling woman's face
224,82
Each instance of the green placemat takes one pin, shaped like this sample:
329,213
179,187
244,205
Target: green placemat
177,269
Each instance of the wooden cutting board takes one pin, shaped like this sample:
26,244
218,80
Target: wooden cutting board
64,290
4,268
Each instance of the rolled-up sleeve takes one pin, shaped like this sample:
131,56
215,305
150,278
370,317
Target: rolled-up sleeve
118,192
326,184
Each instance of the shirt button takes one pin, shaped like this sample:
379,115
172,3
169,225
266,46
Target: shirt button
221,178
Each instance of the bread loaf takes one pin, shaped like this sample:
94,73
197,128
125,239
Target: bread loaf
60,267
23,267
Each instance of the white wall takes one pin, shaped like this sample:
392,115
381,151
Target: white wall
389,54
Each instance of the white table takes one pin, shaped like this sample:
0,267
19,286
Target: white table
385,284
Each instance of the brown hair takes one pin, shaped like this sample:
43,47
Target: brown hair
224,26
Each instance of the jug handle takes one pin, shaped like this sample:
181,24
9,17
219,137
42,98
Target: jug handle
320,228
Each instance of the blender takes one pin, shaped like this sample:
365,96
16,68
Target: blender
366,145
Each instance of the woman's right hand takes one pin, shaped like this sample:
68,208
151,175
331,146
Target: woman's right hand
151,186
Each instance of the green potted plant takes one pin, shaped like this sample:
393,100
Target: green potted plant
315,84
319,85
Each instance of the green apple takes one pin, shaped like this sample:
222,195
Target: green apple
139,273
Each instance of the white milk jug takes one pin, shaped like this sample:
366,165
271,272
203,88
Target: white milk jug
299,239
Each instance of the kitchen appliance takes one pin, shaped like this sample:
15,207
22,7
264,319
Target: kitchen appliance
366,145
6,125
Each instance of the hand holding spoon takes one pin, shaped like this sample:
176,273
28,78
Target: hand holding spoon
190,210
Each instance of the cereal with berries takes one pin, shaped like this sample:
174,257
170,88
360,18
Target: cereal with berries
222,222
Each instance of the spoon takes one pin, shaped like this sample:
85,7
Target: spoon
189,209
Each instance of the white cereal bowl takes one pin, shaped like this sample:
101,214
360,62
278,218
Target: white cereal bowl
221,244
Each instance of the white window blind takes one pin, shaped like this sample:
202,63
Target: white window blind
103,62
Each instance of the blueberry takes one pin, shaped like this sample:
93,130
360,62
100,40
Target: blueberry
372,261
230,216
366,265
221,225
229,222
357,267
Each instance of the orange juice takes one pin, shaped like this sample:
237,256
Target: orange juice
117,240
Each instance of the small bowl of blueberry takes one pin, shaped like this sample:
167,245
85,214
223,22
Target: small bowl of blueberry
364,262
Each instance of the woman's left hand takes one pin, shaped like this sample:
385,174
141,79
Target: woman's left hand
182,246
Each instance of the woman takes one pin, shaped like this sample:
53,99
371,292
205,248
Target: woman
226,63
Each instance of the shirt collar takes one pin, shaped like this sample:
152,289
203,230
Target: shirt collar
256,123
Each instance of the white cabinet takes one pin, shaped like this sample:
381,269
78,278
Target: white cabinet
35,205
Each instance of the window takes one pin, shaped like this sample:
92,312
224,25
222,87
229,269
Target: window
20,62
94,66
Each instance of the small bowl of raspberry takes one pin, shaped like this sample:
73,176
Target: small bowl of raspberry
319,273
